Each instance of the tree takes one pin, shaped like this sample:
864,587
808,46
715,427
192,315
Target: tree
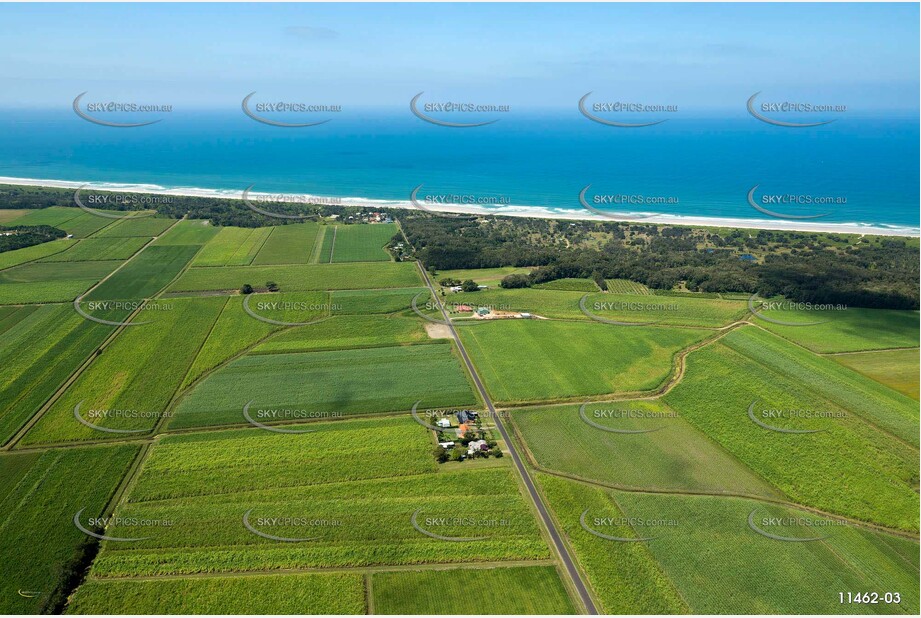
515,281
247,288
272,286
457,454
469,286
441,455
449,282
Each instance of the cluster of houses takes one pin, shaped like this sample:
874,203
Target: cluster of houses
466,421
487,313
372,217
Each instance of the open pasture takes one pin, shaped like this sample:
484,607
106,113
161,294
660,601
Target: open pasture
332,382
897,369
40,548
377,301
849,330
190,232
347,331
847,466
533,360
130,385
625,286
72,220
571,285
671,455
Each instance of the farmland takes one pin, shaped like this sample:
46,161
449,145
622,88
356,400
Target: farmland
355,485
299,277
330,382
39,545
363,243
257,451
529,360
504,590
288,244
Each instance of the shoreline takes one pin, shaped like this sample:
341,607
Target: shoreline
540,212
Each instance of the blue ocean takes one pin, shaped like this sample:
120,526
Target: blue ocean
701,166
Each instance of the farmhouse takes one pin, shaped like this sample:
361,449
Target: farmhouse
443,423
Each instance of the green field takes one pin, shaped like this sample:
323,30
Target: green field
41,272
136,227
572,285
482,276
72,220
346,331
377,301
130,385
531,360
301,593
300,277
354,486
704,558
673,457
625,286
38,353
232,246
363,242
192,232
8,214
850,467
851,330
44,291
504,590
35,252
97,249
145,274
288,244
40,548
328,383
897,369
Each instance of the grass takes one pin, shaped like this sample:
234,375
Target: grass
363,242
38,354
625,577
721,566
96,249
850,467
572,285
333,382
288,244
193,232
704,559
533,360
851,330
482,276
377,301
145,227
136,375
897,369
35,252
233,332
346,331
502,590
625,286
232,246
40,548
45,272
632,308
354,484
8,214
72,220
146,274
674,457
326,249
43,291
300,277
13,467
301,593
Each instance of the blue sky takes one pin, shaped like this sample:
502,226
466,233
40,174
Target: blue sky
696,56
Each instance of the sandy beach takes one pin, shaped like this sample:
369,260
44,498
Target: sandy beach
509,210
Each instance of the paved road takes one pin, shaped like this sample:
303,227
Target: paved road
525,476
